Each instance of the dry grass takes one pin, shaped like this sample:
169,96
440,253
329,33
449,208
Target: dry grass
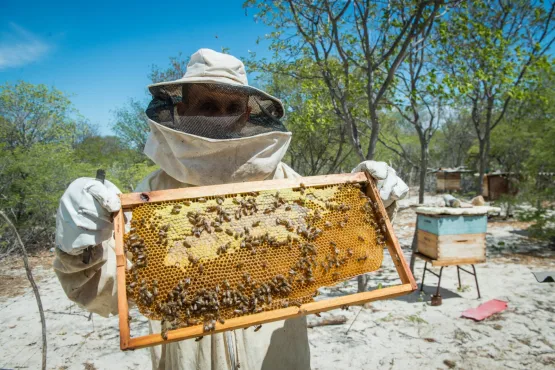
89,366
13,280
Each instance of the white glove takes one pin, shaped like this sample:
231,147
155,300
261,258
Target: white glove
84,215
391,187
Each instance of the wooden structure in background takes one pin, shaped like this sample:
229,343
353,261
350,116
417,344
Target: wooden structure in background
497,184
129,200
449,179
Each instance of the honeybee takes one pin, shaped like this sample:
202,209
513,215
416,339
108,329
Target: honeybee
363,258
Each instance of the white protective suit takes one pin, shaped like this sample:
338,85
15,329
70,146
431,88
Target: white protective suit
186,160
278,345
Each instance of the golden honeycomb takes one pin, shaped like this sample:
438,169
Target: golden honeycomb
199,260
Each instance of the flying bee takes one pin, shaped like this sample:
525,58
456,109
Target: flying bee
198,339
257,328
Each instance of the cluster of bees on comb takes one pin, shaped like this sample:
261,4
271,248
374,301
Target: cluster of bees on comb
201,261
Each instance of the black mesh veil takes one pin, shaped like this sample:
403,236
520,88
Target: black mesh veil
216,111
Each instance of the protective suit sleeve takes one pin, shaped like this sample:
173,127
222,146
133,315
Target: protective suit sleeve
92,286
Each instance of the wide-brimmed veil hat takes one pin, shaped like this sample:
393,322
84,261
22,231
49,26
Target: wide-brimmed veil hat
222,74
223,131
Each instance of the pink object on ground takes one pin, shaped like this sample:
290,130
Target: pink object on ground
485,310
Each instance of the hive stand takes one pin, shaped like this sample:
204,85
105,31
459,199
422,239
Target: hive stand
128,201
442,264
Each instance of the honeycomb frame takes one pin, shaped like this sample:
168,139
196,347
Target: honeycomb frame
290,237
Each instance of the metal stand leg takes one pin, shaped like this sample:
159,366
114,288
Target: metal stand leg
476,278
459,276
439,281
423,275
471,273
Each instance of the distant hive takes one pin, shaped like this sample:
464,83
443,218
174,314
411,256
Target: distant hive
205,260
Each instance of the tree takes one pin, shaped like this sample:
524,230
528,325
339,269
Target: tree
174,71
319,144
39,130
32,180
419,102
356,46
454,139
30,114
489,49
131,125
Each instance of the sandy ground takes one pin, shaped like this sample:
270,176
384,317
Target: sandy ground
396,334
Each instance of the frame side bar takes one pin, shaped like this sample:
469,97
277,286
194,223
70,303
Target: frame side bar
121,263
392,243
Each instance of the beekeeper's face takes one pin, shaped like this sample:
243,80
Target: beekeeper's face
205,100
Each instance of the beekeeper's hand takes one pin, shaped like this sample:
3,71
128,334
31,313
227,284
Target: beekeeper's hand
390,186
84,216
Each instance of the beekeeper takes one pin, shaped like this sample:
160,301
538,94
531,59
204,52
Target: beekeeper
209,127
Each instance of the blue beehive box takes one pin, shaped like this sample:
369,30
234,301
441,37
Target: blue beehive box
452,236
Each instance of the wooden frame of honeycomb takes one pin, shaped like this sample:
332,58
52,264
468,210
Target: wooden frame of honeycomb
223,257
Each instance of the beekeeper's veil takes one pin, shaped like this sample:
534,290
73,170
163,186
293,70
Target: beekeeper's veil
211,127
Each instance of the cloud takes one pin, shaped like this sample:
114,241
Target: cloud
19,47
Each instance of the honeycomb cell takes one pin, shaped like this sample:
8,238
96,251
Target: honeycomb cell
204,260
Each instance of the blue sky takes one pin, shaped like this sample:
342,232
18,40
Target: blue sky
101,52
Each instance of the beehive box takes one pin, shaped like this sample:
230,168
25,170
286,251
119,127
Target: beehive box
450,237
448,181
216,258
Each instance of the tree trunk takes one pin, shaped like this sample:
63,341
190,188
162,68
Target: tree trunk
480,186
373,135
423,168
485,145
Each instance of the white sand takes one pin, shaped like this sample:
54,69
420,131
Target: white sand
405,333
